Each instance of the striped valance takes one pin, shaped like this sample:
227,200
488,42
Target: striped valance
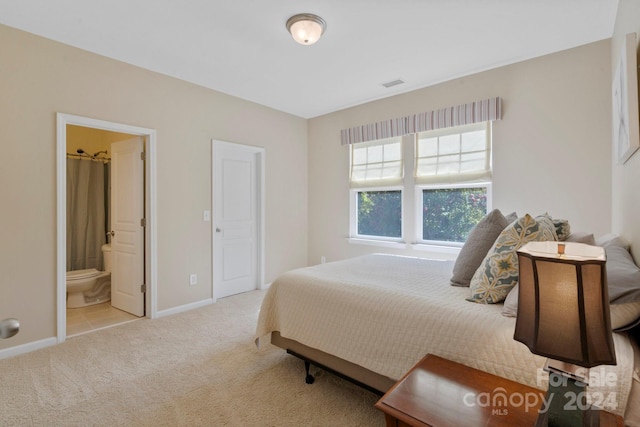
473,112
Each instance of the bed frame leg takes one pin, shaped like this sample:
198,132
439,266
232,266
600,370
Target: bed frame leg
309,378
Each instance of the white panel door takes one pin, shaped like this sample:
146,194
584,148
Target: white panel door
235,219
127,211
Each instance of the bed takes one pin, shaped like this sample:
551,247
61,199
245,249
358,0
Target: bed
372,317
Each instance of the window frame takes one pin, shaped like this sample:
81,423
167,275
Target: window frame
410,187
353,208
419,222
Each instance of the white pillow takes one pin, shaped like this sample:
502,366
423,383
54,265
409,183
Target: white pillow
624,316
510,308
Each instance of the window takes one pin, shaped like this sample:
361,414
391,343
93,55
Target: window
455,165
379,213
426,188
376,174
448,214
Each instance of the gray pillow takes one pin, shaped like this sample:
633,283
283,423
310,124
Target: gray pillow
510,218
623,275
623,316
582,237
475,248
623,283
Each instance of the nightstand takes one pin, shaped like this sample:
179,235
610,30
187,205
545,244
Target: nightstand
437,392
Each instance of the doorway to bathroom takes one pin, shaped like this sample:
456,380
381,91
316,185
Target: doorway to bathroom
117,225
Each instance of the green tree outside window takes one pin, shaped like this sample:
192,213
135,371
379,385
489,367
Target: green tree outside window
449,214
380,213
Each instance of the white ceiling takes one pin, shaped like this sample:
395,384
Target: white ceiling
242,48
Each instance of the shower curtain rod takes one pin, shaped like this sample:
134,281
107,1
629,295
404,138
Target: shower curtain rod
89,157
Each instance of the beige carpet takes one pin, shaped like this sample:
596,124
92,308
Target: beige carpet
199,368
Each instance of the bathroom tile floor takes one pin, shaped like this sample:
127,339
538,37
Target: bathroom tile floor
98,316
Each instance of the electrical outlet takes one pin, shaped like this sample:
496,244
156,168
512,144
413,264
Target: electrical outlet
193,279
206,215
323,259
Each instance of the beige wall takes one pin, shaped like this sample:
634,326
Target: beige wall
92,140
626,178
39,78
551,150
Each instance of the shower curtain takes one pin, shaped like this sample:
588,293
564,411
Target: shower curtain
87,213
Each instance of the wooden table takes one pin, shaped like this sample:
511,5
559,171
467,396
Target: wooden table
437,392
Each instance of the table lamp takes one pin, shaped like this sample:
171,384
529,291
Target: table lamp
563,314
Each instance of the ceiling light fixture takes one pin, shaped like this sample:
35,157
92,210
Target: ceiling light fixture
306,28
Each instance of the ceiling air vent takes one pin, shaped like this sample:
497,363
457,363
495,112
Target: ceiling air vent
393,83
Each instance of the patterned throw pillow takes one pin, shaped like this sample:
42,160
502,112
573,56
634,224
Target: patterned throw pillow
562,229
498,272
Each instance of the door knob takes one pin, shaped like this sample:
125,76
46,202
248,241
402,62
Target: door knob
9,327
111,233
217,230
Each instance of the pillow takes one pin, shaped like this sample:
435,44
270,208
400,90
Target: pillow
511,217
623,275
623,316
547,222
612,239
510,308
480,239
623,280
581,237
498,272
562,229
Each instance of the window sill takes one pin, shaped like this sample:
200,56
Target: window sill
380,243
454,250
450,250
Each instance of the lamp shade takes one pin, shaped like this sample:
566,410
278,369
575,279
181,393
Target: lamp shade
563,303
306,28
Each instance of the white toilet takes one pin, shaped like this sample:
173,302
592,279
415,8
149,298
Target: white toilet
90,286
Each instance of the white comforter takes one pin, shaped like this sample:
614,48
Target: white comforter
386,312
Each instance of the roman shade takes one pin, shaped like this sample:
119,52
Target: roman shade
377,163
444,157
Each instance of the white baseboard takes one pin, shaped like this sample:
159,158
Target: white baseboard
183,308
28,347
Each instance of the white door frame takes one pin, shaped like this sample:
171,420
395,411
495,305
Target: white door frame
259,153
151,252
